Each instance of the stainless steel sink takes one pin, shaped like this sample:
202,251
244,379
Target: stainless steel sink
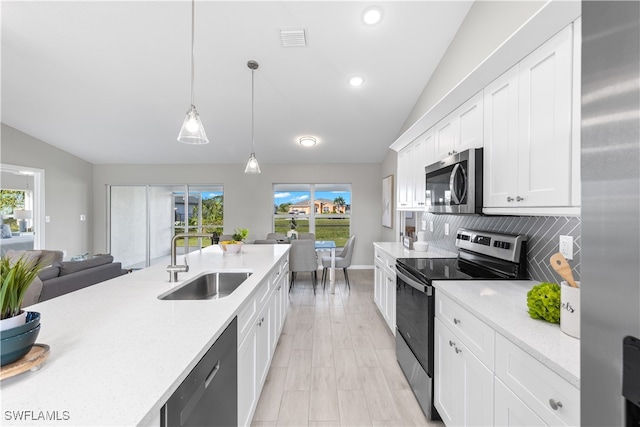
207,286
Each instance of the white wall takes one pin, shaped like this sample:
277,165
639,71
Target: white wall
68,189
487,25
248,199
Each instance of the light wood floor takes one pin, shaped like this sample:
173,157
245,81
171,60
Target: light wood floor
335,363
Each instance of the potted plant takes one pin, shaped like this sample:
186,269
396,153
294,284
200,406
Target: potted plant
234,246
15,277
292,234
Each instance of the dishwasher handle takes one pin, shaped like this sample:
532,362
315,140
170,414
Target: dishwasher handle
212,374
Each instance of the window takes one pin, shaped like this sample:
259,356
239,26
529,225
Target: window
323,209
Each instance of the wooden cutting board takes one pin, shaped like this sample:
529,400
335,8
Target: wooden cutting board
29,362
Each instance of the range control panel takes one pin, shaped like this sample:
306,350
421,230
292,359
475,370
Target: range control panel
499,245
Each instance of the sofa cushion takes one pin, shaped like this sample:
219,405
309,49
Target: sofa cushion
49,272
69,267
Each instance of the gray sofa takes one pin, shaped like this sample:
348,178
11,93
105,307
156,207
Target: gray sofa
62,277
68,276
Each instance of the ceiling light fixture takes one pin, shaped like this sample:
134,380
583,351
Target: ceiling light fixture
372,16
308,141
192,131
356,81
252,165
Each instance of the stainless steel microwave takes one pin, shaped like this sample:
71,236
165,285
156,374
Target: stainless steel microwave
454,185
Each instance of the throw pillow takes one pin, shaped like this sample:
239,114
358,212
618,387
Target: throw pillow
32,295
5,231
28,256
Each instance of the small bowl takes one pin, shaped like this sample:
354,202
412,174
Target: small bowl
13,348
421,246
32,320
231,248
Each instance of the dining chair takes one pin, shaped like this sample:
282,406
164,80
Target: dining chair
343,261
308,236
265,242
302,258
278,237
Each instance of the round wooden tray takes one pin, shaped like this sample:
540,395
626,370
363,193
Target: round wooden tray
29,362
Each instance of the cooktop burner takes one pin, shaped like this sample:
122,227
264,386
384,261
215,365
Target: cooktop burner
481,255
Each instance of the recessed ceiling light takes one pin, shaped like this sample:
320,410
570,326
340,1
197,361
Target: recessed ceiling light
372,16
356,81
308,141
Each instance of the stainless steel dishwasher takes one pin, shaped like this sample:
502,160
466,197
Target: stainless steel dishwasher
209,394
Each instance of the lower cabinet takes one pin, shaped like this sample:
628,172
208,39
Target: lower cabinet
511,411
522,391
264,324
463,392
384,292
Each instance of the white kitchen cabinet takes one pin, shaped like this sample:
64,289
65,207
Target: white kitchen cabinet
528,139
549,396
461,129
412,161
385,287
260,322
511,411
248,393
463,391
405,179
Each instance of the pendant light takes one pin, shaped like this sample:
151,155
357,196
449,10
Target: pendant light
192,131
252,165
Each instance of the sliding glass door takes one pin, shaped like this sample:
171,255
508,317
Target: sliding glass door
144,218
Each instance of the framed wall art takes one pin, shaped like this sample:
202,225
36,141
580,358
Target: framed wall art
387,201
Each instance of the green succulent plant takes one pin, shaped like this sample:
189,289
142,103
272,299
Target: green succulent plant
543,301
15,278
240,234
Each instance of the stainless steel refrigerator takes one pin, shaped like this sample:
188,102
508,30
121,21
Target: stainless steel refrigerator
610,258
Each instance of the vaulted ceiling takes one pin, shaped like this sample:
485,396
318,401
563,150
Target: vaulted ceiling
109,81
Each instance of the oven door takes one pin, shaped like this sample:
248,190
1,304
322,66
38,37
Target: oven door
415,308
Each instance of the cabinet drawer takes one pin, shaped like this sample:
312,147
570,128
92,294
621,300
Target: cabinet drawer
382,258
511,411
245,318
474,333
263,291
538,386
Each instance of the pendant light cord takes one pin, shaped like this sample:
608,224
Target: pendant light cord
253,148
193,7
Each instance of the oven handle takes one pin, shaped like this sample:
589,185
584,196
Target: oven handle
414,284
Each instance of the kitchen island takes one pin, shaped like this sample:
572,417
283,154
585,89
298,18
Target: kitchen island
118,352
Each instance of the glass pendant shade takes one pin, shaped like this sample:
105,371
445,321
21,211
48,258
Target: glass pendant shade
252,165
192,131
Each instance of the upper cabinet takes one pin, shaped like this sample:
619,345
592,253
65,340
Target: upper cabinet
528,139
412,161
460,130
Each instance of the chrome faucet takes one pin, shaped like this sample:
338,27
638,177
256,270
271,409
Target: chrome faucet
173,269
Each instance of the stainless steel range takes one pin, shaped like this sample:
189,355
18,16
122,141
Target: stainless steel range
481,256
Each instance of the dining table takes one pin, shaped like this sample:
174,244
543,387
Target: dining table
323,245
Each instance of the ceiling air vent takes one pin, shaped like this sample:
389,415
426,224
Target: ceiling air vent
293,38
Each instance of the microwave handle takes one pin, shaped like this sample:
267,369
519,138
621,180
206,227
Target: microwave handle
453,184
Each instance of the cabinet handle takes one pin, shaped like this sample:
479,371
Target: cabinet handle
456,321
451,343
509,199
458,350
278,288
260,322
519,199
555,405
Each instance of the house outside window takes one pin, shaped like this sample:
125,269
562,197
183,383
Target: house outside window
323,209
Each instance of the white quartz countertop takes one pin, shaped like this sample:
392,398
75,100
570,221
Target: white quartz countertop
503,306
118,352
397,250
